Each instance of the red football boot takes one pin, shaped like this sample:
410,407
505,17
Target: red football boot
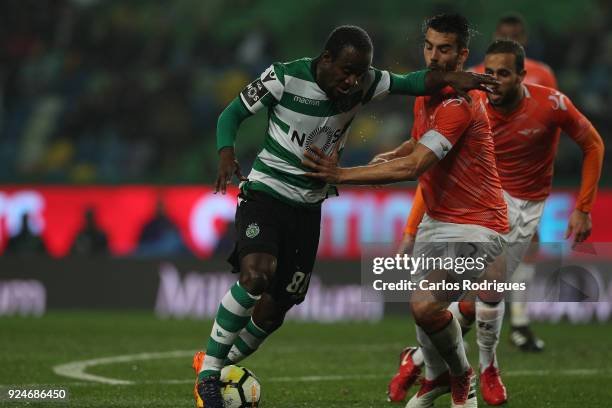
463,390
407,374
492,388
430,390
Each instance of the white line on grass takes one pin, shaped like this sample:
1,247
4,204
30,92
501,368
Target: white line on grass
76,370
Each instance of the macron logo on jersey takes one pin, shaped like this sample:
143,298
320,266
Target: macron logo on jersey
306,101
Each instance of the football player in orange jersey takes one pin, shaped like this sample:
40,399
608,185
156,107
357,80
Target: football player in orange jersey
513,26
526,121
451,152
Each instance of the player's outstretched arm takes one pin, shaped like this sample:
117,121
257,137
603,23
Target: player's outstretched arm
227,128
402,150
325,167
451,121
429,82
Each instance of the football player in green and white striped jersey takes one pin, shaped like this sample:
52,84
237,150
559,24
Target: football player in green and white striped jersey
309,102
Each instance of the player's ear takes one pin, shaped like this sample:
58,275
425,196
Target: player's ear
326,57
522,75
464,53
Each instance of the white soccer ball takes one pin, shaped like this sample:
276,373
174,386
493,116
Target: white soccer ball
239,387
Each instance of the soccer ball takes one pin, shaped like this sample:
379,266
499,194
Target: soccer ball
239,387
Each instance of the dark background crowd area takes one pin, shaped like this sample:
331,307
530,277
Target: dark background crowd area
130,91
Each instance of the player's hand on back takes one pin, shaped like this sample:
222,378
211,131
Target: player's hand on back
228,167
579,225
462,82
325,166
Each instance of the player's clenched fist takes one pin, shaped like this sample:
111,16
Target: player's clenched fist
228,166
580,225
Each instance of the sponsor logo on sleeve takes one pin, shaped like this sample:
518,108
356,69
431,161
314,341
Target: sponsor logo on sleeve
253,92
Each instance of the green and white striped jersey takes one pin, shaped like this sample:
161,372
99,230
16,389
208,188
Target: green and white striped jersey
300,115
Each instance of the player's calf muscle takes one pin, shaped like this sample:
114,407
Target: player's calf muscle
256,271
269,314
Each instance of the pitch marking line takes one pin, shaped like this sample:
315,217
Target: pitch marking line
77,370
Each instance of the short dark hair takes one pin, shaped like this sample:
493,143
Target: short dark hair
348,36
509,47
513,19
452,23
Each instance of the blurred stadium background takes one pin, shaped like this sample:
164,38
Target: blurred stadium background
129,92
108,112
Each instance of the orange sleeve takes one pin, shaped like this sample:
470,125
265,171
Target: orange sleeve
548,78
586,136
451,119
593,152
416,213
551,81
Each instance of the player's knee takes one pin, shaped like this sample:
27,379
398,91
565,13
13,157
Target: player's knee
422,311
490,297
468,310
269,314
256,271
430,316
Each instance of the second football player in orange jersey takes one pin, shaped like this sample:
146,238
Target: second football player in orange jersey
512,26
527,136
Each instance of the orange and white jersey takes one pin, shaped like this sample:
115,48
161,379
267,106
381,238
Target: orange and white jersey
463,187
526,140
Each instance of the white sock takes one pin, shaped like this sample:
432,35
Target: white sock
247,343
434,364
488,328
465,324
417,357
520,314
449,344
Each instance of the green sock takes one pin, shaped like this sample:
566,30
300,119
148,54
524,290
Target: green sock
234,313
249,340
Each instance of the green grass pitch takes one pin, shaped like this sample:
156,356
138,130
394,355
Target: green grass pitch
302,365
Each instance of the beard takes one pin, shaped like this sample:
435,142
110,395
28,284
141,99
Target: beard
508,99
449,66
